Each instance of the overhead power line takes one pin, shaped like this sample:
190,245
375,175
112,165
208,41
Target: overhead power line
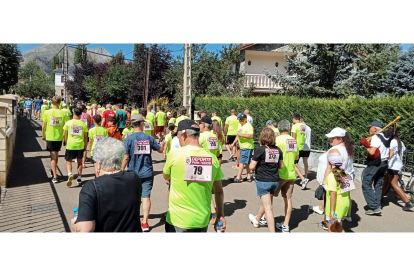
101,54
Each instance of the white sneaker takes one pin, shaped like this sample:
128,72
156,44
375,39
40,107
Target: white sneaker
349,219
69,182
304,182
231,155
317,210
280,226
253,220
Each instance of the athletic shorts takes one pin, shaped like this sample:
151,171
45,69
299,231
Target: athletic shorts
53,145
174,229
220,156
286,186
73,154
264,188
230,139
245,156
304,153
37,109
160,129
393,172
147,184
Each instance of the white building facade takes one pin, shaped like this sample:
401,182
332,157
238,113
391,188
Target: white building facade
257,58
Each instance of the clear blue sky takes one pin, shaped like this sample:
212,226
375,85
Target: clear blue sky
127,49
176,49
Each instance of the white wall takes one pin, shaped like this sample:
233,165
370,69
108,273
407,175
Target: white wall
260,60
58,79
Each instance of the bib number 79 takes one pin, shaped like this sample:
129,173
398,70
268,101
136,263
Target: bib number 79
198,170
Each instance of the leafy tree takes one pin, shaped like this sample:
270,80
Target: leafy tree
335,70
75,86
119,58
121,81
29,70
400,78
10,58
211,74
80,53
35,82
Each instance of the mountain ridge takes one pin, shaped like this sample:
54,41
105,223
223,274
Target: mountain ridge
44,54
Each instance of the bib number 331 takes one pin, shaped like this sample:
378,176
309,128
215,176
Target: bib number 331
142,147
198,168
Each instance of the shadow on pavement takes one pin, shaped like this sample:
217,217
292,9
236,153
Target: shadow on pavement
230,207
26,171
298,215
355,218
162,218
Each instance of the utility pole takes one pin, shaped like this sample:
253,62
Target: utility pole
65,70
146,80
187,78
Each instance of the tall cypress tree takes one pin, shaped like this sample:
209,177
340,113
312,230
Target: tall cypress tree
80,53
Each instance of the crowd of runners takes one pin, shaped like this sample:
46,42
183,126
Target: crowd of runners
121,139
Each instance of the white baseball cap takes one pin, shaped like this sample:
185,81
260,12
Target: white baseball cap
168,113
336,132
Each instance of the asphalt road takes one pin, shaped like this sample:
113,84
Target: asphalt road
31,163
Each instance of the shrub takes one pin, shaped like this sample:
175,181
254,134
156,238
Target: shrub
322,115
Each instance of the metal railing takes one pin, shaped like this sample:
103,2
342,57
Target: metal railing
321,142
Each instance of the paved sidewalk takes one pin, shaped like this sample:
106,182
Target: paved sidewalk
34,204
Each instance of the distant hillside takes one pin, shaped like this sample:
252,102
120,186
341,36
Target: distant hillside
44,54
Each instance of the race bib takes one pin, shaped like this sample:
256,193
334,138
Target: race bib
76,130
277,134
147,126
85,121
272,155
128,133
98,137
303,129
111,115
43,106
291,146
142,147
212,143
240,131
349,184
198,169
56,121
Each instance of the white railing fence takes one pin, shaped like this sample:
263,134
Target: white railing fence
261,81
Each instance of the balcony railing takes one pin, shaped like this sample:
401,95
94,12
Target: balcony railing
261,81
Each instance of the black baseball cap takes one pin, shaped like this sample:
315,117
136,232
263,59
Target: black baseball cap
206,120
188,124
243,116
375,124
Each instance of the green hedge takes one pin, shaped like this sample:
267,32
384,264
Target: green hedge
322,115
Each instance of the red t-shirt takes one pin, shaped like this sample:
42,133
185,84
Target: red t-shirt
106,115
129,115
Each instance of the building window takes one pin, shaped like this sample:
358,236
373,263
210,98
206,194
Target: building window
62,78
61,92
